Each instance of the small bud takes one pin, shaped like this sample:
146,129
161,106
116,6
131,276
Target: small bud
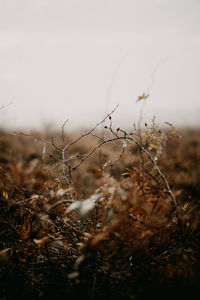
51,156
69,165
130,133
105,127
189,197
145,124
118,129
110,117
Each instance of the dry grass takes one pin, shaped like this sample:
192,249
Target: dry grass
130,246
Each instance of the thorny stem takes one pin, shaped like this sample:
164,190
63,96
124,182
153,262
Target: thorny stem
156,167
65,176
90,131
126,136
65,148
95,148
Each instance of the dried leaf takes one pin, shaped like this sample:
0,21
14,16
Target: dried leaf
142,97
84,206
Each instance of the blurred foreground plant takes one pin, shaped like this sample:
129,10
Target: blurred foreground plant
127,220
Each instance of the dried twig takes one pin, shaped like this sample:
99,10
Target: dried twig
63,132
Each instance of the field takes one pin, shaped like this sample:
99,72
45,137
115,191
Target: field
107,214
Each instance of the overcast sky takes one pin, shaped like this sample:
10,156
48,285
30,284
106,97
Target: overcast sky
77,59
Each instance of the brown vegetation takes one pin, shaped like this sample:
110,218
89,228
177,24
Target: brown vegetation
129,241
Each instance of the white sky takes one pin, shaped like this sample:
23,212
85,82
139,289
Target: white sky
77,59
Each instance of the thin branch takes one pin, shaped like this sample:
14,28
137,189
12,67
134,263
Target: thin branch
90,131
119,158
113,80
54,145
95,148
63,132
156,167
65,176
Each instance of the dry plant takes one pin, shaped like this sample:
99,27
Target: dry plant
118,230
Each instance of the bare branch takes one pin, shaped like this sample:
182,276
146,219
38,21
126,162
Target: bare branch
156,167
63,132
90,131
94,149
54,145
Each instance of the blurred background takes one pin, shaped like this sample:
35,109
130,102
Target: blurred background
78,59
